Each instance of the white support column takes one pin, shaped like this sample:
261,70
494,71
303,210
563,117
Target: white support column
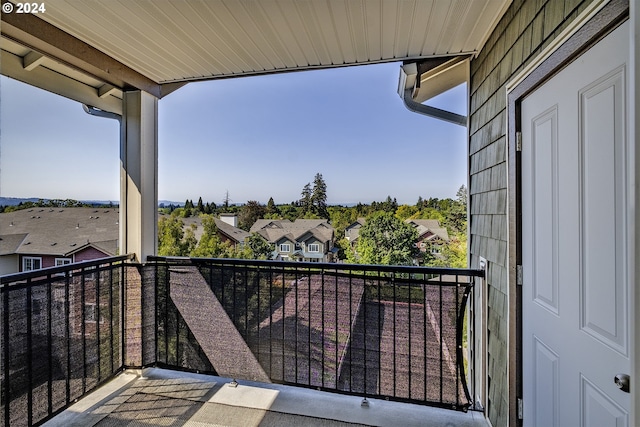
139,175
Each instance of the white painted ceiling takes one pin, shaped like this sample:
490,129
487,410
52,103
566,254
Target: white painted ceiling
185,40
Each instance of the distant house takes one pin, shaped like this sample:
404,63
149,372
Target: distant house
431,236
31,239
227,230
352,232
302,240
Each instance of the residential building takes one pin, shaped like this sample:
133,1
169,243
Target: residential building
301,240
227,231
431,236
36,238
352,231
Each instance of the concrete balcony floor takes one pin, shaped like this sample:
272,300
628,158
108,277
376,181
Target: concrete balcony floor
170,398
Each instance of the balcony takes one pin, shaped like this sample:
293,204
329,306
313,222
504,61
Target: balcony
379,334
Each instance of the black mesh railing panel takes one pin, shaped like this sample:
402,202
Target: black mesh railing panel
390,332
61,337
175,344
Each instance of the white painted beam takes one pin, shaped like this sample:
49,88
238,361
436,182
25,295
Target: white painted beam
32,60
13,66
107,90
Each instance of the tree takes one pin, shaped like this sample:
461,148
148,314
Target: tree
385,239
306,201
456,214
200,205
249,214
209,245
258,247
226,200
319,197
453,254
170,236
272,209
406,211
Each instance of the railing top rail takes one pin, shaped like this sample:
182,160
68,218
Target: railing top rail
43,272
324,266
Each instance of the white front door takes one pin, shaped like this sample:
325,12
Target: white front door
575,187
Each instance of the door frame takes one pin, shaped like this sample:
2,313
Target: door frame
597,21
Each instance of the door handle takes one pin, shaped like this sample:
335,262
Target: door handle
623,382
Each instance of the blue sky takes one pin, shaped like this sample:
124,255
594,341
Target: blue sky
255,137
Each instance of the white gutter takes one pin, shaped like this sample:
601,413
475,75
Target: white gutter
407,85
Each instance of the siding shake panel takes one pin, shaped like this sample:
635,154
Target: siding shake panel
523,31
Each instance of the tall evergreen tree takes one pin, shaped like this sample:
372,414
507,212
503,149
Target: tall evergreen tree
306,202
271,207
200,205
319,197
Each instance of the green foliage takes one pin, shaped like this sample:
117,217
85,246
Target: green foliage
386,240
341,217
406,211
258,247
290,212
272,209
453,255
170,237
314,200
249,214
210,245
319,197
306,202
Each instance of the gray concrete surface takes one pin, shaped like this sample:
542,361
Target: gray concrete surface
172,398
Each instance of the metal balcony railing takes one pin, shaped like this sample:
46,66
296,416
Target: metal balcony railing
62,336
376,331
391,332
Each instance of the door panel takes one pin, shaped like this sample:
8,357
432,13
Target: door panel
574,230
603,290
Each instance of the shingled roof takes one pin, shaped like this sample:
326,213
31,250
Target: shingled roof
423,226
234,233
58,231
274,230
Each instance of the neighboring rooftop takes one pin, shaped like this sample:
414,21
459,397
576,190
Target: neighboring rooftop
273,230
233,233
58,231
432,226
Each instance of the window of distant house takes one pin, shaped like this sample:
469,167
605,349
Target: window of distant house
285,247
435,249
314,247
31,263
62,261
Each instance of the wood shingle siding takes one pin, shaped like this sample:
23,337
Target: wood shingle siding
524,31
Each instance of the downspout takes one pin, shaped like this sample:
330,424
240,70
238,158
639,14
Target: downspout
93,111
407,85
